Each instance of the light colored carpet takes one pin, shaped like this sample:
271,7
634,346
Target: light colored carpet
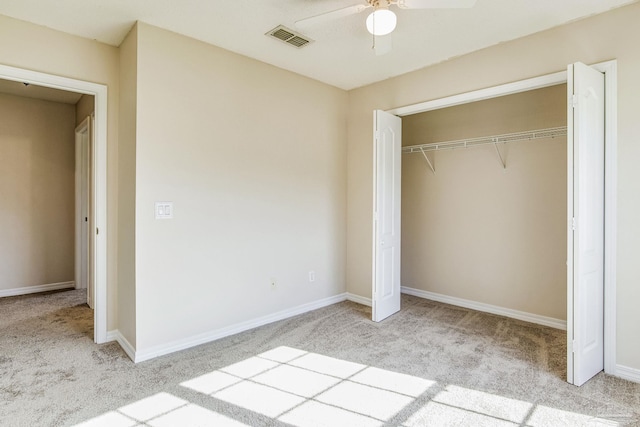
459,367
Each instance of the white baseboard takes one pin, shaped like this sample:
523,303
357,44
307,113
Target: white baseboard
488,308
182,344
112,335
358,299
627,373
36,289
124,343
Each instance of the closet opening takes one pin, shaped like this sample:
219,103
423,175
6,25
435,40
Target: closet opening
486,183
484,205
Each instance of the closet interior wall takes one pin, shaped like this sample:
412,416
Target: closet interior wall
475,230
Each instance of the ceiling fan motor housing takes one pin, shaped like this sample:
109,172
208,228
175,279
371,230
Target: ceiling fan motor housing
378,4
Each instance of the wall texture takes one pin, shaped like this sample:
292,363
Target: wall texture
37,192
254,160
480,232
37,48
603,37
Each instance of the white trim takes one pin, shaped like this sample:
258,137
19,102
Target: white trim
122,341
182,344
627,373
482,94
570,232
112,335
610,70
25,290
358,299
100,176
374,219
488,308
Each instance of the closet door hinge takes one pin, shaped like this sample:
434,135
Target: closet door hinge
574,100
573,224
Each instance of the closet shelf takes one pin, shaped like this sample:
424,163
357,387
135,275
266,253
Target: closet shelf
495,139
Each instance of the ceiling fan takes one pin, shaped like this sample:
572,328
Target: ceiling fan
382,20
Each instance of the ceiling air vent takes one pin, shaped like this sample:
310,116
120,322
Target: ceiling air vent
289,36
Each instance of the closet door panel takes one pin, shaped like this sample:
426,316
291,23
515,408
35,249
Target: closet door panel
585,317
386,250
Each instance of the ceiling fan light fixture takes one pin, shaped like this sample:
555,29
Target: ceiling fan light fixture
381,22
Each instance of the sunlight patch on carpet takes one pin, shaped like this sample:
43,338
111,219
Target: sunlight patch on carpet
194,415
153,406
306,389
484,403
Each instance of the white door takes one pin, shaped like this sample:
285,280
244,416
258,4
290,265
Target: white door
386,241
585,207
83,210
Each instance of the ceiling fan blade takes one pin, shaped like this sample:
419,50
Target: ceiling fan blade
330,16
435,4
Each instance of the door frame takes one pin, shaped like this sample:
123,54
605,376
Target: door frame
609,68
99,178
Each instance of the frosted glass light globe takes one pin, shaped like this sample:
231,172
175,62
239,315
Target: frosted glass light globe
381,22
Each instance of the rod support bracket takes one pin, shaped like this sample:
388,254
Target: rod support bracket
428,161
500,156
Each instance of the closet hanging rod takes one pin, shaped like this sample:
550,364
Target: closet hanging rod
495,139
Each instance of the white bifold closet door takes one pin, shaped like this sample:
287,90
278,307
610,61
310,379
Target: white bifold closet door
585,208
386,242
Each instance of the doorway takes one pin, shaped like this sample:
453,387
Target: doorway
609,70
98,199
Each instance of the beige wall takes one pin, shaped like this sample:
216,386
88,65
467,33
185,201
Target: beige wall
603,37
37,192
254,160
127,187
84,108
37,48
480,232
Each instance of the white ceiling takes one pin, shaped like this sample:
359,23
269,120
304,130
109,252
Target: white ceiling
341,55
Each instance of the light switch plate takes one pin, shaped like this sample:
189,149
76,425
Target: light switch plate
164,210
